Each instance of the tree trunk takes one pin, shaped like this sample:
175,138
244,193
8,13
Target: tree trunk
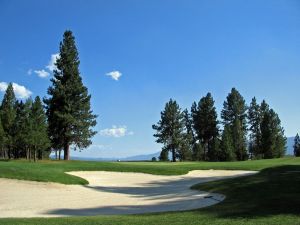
59,154
34,155
66,151
9,156
173,155
205,150
55,154
27,153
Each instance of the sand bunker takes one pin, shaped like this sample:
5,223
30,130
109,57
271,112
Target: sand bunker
109,193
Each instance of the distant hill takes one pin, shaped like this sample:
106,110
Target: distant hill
142,157
130,158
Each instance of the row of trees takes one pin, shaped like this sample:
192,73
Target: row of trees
26,130
23,128
196,135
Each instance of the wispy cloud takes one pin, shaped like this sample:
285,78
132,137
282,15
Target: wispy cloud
115,131
19,90
42,73
115,75
99,146
29,72
51,65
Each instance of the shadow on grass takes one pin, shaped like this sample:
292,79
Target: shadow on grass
4,160
271,192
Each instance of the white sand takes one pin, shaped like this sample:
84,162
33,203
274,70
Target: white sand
109,193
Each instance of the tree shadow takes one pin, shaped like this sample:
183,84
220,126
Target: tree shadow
271,192
135,209
162,189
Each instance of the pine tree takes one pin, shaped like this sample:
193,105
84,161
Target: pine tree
170,128
26,129
273,141
239,140
68,107
2,141
188,140
39,137
197,152
206,125
8,115
164,155
254,120
227,149
19,131
297,146
234,115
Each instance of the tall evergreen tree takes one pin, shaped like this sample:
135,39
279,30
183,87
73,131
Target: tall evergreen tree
19,131
227,149
273,140
264,107
68,107
254,120
297,146
234,115
188,140
170,128
2,141
39,137
8,115
206,125
26,128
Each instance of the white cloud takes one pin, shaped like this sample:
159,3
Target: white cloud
20,91
115,75
42,73
51,65
3,86
115,131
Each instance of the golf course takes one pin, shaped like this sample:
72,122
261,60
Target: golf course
149,112
270,196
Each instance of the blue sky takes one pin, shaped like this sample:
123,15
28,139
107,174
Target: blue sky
163,49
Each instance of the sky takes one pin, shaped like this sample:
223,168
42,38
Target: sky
137,54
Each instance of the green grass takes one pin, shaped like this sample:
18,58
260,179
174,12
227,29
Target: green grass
53,171
269,197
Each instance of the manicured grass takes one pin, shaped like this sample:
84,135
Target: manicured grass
53,171
269,197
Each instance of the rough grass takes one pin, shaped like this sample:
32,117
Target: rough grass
269,197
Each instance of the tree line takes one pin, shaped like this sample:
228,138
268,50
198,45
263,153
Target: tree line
252,131
32,129
23,128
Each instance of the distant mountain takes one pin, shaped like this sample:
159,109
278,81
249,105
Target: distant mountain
130,158
142,157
